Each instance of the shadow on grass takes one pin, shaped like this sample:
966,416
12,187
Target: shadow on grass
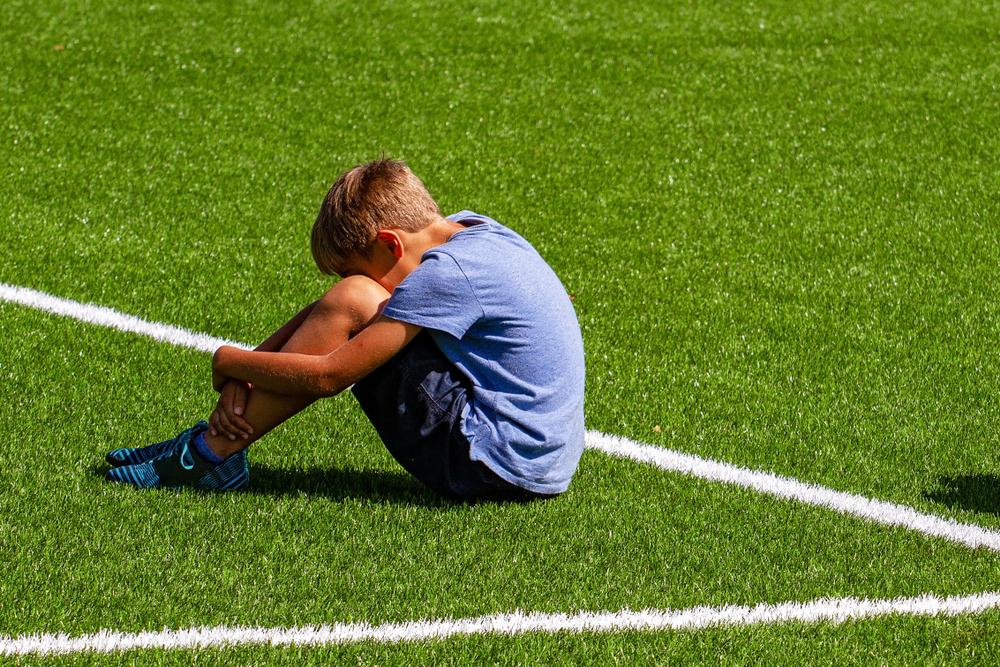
978,493
392,487
380,486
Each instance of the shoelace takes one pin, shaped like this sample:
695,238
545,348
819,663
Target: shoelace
185,458
186,452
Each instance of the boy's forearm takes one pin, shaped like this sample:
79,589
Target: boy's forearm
277,340
314,375
277,372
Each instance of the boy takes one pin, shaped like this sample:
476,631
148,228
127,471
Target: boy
460,342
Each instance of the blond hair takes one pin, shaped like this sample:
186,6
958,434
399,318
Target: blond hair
383,194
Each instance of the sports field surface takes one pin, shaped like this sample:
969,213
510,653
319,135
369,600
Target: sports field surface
779,225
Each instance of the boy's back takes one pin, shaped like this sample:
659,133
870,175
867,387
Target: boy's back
498,312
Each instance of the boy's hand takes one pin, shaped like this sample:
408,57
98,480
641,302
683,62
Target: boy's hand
227,418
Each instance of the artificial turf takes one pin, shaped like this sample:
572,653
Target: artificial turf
776,221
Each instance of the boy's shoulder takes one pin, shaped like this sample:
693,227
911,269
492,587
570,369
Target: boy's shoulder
483,242
471,218
485,273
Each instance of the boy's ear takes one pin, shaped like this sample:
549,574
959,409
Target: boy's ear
392,241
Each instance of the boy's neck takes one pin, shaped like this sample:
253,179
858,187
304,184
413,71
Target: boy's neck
438,232
415,244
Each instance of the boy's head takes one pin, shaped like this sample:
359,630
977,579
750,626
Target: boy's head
383,194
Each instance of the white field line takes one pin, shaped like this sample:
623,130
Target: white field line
834,610
829,610
108,317
877,511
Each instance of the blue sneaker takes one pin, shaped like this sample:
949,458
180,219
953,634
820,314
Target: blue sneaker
128,456
182,465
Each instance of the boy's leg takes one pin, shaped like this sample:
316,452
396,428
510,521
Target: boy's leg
416,402
347,308
319,329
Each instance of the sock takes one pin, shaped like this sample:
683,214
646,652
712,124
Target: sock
202,448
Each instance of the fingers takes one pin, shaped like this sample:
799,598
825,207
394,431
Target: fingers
227,419
232,426
239,401
219,425
239,427
234,413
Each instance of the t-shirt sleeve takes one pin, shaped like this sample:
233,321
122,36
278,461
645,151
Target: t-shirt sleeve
436,295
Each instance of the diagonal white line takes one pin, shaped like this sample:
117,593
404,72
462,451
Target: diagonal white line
828,610
108,317
877,511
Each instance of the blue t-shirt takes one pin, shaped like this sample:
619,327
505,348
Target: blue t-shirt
500,315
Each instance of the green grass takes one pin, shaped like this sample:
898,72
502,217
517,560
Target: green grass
777,223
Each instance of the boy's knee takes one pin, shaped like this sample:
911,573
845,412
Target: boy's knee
360,296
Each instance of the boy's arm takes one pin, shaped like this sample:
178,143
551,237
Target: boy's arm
315,375
227,417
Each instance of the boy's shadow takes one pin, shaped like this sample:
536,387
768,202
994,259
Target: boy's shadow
380,486
978,493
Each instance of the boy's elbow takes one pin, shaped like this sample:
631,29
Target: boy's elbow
330,382
325,389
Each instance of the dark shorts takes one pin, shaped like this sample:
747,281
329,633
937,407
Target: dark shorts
415,402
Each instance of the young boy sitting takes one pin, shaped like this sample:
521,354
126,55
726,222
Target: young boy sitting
460,342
